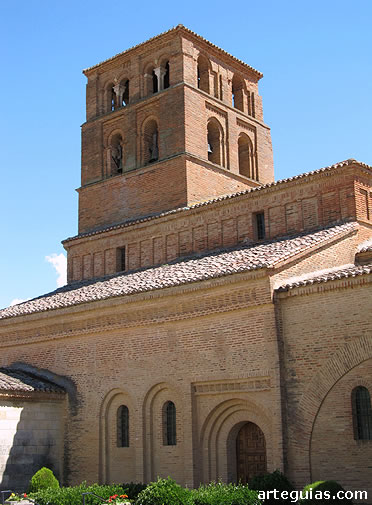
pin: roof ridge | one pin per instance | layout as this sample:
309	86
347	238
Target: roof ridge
173	29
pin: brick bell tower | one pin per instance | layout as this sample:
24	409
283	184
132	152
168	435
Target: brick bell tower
169	123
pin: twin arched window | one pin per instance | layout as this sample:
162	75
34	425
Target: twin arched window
169	424
362	413
157	78
122	437
117	95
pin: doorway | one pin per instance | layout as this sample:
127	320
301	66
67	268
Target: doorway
250	452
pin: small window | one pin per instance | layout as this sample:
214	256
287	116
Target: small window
214	142
203	74
237	93
362	413
123	426
116	155
125	93
169	424
166	76
151	145
155	85
259	225
120	259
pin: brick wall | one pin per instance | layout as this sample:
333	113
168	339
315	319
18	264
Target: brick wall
289	207
326	353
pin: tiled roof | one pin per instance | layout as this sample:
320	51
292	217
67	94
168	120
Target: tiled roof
17	380
175	28
144	219
330	275
185	271
365	247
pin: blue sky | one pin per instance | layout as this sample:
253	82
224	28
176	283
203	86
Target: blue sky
317	66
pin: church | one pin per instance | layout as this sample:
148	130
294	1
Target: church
216	323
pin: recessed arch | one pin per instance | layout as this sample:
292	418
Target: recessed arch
109	452
203	71
115	158
322	382
109	97
217	438
246	156
238	92
215	142
154	401
150	140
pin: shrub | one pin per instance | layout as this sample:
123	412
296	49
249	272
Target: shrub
316	494
164	492
73	495
133	489
271	482
227	494
43	479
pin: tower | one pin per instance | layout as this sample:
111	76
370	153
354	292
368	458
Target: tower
170	123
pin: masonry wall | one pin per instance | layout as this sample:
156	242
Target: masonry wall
327	351
31	436
193	347
182	112
291	207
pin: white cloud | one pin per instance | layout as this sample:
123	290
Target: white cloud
59	262
16	301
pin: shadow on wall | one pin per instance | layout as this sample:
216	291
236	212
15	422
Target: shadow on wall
31	436
33	409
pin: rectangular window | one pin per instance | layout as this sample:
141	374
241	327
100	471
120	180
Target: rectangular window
259	225
120	259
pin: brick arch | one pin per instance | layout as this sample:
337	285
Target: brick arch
148	415
146	133
216	137
342	362
217	427
108	138
103	428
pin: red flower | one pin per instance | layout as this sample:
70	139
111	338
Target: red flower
25	495
123	496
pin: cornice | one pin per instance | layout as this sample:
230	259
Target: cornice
47	327
181	29
325	286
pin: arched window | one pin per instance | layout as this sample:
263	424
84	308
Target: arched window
122	426
166	75
151	141
110	98
246	157
362	413
124	93
203	74
169	424
238	93
215	142
155	84
115	160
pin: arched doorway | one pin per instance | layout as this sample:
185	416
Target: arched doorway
250	452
